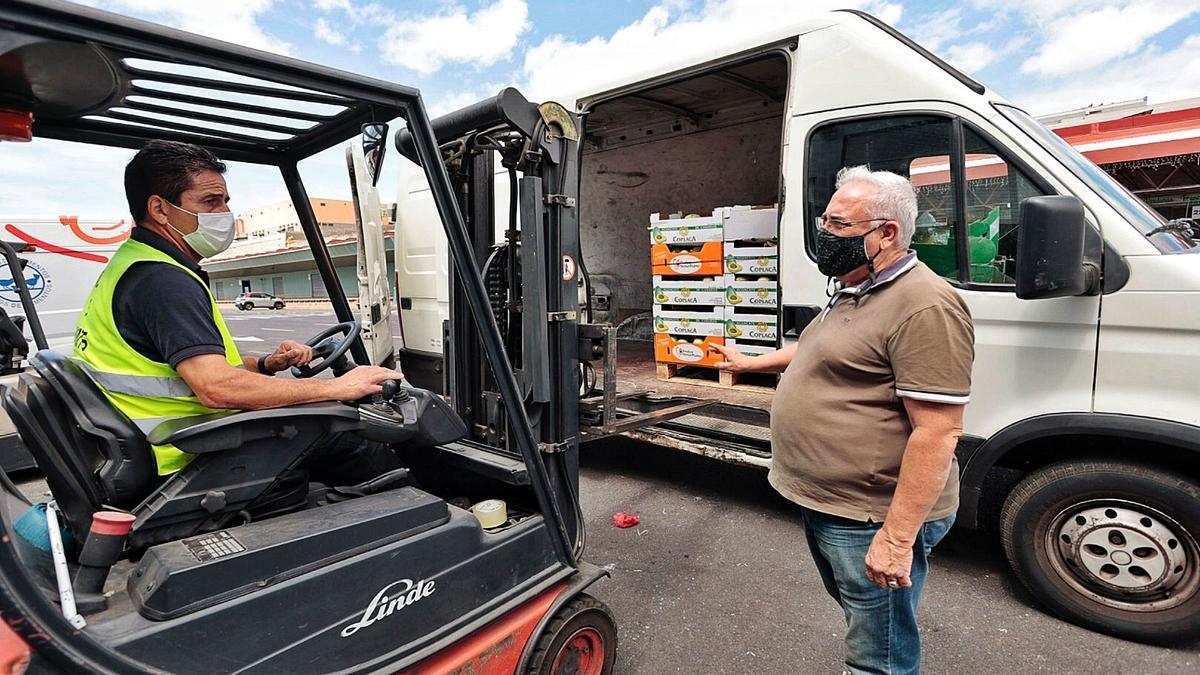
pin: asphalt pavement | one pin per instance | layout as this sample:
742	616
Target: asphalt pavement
717	577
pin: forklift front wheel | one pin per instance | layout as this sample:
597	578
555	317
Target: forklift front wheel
581	639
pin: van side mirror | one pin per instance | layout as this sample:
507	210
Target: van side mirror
1050	243
374	140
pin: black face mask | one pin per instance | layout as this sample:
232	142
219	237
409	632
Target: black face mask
837	256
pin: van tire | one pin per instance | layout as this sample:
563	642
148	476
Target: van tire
581	638
1111	546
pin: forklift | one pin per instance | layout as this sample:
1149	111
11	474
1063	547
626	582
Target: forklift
468	559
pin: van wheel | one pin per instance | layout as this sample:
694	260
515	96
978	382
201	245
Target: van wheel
279	305
1110	546
580	639
249	306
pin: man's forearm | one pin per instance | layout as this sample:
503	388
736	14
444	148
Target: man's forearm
250	363
774	362
238	389
923	475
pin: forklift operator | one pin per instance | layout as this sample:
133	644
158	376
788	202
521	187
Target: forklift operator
151	334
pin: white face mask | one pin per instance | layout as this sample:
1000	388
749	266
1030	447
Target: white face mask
214	232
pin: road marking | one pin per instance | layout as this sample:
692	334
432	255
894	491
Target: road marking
280	330
247	339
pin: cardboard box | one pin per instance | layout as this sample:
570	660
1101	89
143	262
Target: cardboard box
751	348
753	260
692	229
751	291
751	325
689	290
670	349
699	322
673	261
751	222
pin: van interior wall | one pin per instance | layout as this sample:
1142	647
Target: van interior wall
692	173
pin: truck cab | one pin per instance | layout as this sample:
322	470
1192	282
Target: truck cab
1083	421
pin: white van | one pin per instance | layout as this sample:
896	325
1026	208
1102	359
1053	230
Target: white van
1087	405
64	257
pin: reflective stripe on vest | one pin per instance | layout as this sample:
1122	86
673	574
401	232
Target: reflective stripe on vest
139	385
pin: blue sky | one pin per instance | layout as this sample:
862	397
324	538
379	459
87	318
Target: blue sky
1046	55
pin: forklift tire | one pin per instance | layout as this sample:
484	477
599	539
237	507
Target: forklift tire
1110	546
581	639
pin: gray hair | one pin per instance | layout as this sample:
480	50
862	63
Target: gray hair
895	198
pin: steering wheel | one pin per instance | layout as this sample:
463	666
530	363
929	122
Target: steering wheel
328	347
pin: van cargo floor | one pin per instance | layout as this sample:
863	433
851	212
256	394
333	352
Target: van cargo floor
636	372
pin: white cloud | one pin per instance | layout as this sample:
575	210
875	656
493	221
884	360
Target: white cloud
331	5
1080	36
233	21
426	43
1158	74
970	58
668	35
327	33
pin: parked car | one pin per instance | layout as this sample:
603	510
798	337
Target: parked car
254	299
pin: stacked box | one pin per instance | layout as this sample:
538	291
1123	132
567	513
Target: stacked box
700	291
673	260
715	281
698	322
750	348
692	229
696	352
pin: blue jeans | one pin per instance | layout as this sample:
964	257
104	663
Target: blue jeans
881	625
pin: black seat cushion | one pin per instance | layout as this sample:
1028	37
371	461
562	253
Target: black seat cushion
126	470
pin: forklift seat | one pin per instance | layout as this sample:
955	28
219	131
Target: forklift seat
94	457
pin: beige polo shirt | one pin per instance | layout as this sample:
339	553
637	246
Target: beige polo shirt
838	424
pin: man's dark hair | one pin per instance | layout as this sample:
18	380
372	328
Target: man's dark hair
164	168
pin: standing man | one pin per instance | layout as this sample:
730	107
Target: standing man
867	416
151	334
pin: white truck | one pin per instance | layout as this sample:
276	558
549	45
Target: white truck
63	256
1084	421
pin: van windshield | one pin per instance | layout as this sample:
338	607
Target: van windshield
1134	210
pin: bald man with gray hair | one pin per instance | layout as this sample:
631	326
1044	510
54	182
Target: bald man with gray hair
867	415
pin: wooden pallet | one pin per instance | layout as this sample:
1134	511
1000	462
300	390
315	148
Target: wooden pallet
711	377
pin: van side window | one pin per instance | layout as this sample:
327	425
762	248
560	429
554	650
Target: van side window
920	147
995	189
916	146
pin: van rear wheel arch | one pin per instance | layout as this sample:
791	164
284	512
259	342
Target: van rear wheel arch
1039	441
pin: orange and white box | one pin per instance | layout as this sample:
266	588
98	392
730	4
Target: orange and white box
672	261
698	322
750	222
689	290
692	229
695	352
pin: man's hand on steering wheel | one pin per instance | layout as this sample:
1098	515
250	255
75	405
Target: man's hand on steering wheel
289	353
363	381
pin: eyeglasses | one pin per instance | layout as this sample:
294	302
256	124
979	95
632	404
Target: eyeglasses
837	224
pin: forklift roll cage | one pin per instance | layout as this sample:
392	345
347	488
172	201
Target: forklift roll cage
82	74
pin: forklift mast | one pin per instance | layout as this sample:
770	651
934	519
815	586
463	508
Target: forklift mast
530	274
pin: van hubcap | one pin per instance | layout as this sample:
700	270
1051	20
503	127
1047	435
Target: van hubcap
1124	554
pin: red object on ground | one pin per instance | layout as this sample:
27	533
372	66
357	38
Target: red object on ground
622	519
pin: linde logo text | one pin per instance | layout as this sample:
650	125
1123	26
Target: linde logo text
383	604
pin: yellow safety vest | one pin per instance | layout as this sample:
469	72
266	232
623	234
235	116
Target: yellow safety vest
148	392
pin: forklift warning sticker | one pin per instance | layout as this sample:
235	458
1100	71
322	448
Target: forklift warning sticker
568	268
395	596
